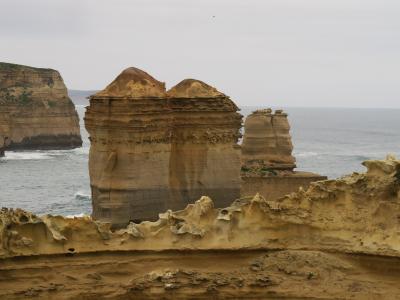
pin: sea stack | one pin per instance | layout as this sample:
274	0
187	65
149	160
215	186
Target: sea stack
152	150
267	160
129	124
205	157
267	141
35	110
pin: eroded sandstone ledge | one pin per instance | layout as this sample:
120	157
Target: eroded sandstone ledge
35	110
358	213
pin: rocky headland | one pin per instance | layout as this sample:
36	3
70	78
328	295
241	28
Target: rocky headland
35	110
339	238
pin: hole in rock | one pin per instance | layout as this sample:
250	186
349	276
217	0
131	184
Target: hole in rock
71	249
23	219
136	221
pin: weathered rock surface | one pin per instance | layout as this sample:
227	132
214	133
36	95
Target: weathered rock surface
205	158
35	110
267	141
358	213
267	159
152	150
281	274
339	239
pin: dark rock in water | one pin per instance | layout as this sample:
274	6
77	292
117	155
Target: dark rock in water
35	110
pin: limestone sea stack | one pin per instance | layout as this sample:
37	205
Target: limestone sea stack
267	160
267	140
152	150
35	110
205	157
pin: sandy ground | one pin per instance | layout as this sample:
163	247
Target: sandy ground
201	275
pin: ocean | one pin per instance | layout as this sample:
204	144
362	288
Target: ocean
328	141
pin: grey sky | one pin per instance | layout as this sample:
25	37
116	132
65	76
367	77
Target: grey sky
265	52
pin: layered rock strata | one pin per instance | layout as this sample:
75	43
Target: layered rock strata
267	160
35	110
152	150
357	213
267	141
205	158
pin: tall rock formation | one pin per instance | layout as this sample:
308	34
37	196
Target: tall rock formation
35	110
267	141
205	157
152	151
267	160
129	124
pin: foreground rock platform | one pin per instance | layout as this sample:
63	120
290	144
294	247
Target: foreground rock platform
339	239
354	214
281	274
35	110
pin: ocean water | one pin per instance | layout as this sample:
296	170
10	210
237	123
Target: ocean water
331	142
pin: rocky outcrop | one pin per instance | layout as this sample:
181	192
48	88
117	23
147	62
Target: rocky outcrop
35	110
339	239
152	150
267	141
205	159
354	214
267	160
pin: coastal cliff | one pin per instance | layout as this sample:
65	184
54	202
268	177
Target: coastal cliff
35	110
153	150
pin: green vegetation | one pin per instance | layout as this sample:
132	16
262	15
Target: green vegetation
25	98
245	169
8	66
52	104
265	170
8	96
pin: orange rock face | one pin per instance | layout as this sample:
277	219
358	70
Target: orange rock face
153	150
35	110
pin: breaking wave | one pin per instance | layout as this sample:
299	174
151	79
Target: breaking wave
10	155
82	196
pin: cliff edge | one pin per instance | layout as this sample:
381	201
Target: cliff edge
35	110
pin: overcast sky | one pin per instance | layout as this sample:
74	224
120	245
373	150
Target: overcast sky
343	53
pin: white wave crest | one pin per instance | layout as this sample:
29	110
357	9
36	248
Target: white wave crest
77	216
26	155
82	196
306	154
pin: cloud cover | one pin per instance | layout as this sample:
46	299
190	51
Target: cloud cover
265	52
